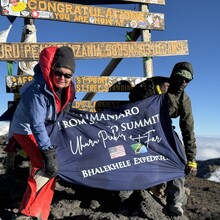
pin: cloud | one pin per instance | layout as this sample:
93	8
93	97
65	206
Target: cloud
4	126
207	147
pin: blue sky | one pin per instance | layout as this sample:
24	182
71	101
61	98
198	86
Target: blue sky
196	21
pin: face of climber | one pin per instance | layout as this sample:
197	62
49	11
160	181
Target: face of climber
164	87
61	77
180	82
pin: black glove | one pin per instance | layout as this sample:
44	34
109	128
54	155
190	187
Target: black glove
50	162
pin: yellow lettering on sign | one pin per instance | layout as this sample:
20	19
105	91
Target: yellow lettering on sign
108	13
80	18
29	78
98	51
78	104
90	50
51	6
103	21
20	80
121	88
27	50
24	51
9	51
77	10
84	10
32	4
76	50
60	8
93	11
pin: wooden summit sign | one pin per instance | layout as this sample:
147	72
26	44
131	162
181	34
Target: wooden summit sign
83	83
90	106
97	106
14	83
106	83
62	11
95	50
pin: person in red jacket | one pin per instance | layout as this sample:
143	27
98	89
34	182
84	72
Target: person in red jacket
42	99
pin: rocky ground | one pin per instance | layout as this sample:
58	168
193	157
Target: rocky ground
83	203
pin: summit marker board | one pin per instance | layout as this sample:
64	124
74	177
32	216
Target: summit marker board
62	11
95	50
82	83
106	83
97	106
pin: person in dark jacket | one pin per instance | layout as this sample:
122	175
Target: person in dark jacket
179	106
41	101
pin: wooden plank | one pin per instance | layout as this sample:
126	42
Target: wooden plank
97	106
62	11
106	83
14	83
103	2
91	106
83	83
95	50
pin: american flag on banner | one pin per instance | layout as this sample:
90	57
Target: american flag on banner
117	151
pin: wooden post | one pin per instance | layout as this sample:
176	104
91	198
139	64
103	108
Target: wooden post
146	37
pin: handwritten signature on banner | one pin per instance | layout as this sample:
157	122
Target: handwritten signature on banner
117	131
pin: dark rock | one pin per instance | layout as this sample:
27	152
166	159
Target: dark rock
72	202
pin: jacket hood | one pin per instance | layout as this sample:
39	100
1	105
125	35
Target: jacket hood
182	66
46	63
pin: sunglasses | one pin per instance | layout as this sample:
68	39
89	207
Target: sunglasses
182	78
59	74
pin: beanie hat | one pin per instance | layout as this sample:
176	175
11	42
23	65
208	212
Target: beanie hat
64	57
184	73
180	68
